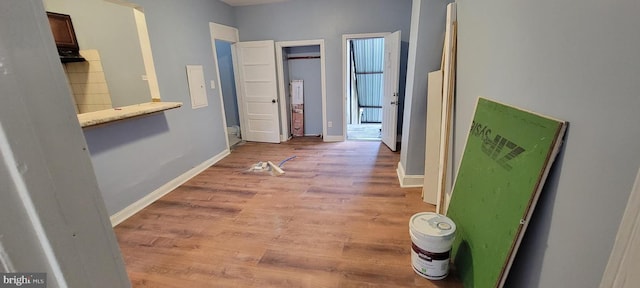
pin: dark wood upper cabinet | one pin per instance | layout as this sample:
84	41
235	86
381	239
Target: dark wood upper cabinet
65	37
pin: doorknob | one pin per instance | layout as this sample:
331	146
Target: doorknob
394	102
273	100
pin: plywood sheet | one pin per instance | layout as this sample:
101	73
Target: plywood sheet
448	86
432	147
504	165
624	260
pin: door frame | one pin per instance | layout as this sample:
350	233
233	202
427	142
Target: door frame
282	94
345	63
227	34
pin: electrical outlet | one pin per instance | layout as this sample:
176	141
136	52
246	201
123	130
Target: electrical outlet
329	124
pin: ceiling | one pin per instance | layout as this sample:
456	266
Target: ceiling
250	2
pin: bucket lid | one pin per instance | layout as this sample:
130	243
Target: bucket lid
429	224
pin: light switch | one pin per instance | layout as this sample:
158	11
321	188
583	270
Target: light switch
213	84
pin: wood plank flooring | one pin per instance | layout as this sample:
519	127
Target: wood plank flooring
336	218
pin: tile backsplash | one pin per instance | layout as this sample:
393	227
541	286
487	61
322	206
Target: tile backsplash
88	83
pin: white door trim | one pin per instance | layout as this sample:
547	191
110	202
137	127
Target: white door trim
147	55
619	264
224	32
282	98
345	84
228	34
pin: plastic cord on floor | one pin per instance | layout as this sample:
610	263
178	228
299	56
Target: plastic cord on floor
285	160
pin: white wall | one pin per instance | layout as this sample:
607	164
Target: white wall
577	61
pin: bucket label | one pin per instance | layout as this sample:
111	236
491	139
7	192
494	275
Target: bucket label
429	256
431	265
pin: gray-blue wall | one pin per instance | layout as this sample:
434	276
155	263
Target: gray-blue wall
328	20
425	55
227	82
134	157
577	61
309	71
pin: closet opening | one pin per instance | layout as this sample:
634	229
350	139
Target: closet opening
302	88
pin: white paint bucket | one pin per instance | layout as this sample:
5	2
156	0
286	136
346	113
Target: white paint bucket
432	235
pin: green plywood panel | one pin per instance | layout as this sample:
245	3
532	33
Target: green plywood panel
504	163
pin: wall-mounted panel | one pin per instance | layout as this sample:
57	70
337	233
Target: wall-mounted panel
197	89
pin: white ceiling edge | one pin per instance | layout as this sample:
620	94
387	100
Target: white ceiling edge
250	2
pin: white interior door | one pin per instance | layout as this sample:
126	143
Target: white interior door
390	97
257	90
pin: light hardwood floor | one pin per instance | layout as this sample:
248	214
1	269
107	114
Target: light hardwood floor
336	218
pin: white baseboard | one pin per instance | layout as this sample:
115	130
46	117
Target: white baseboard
407	181
330	138
134	208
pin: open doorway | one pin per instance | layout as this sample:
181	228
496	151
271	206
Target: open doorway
365	77
371	77
222	39
302	73
228	88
